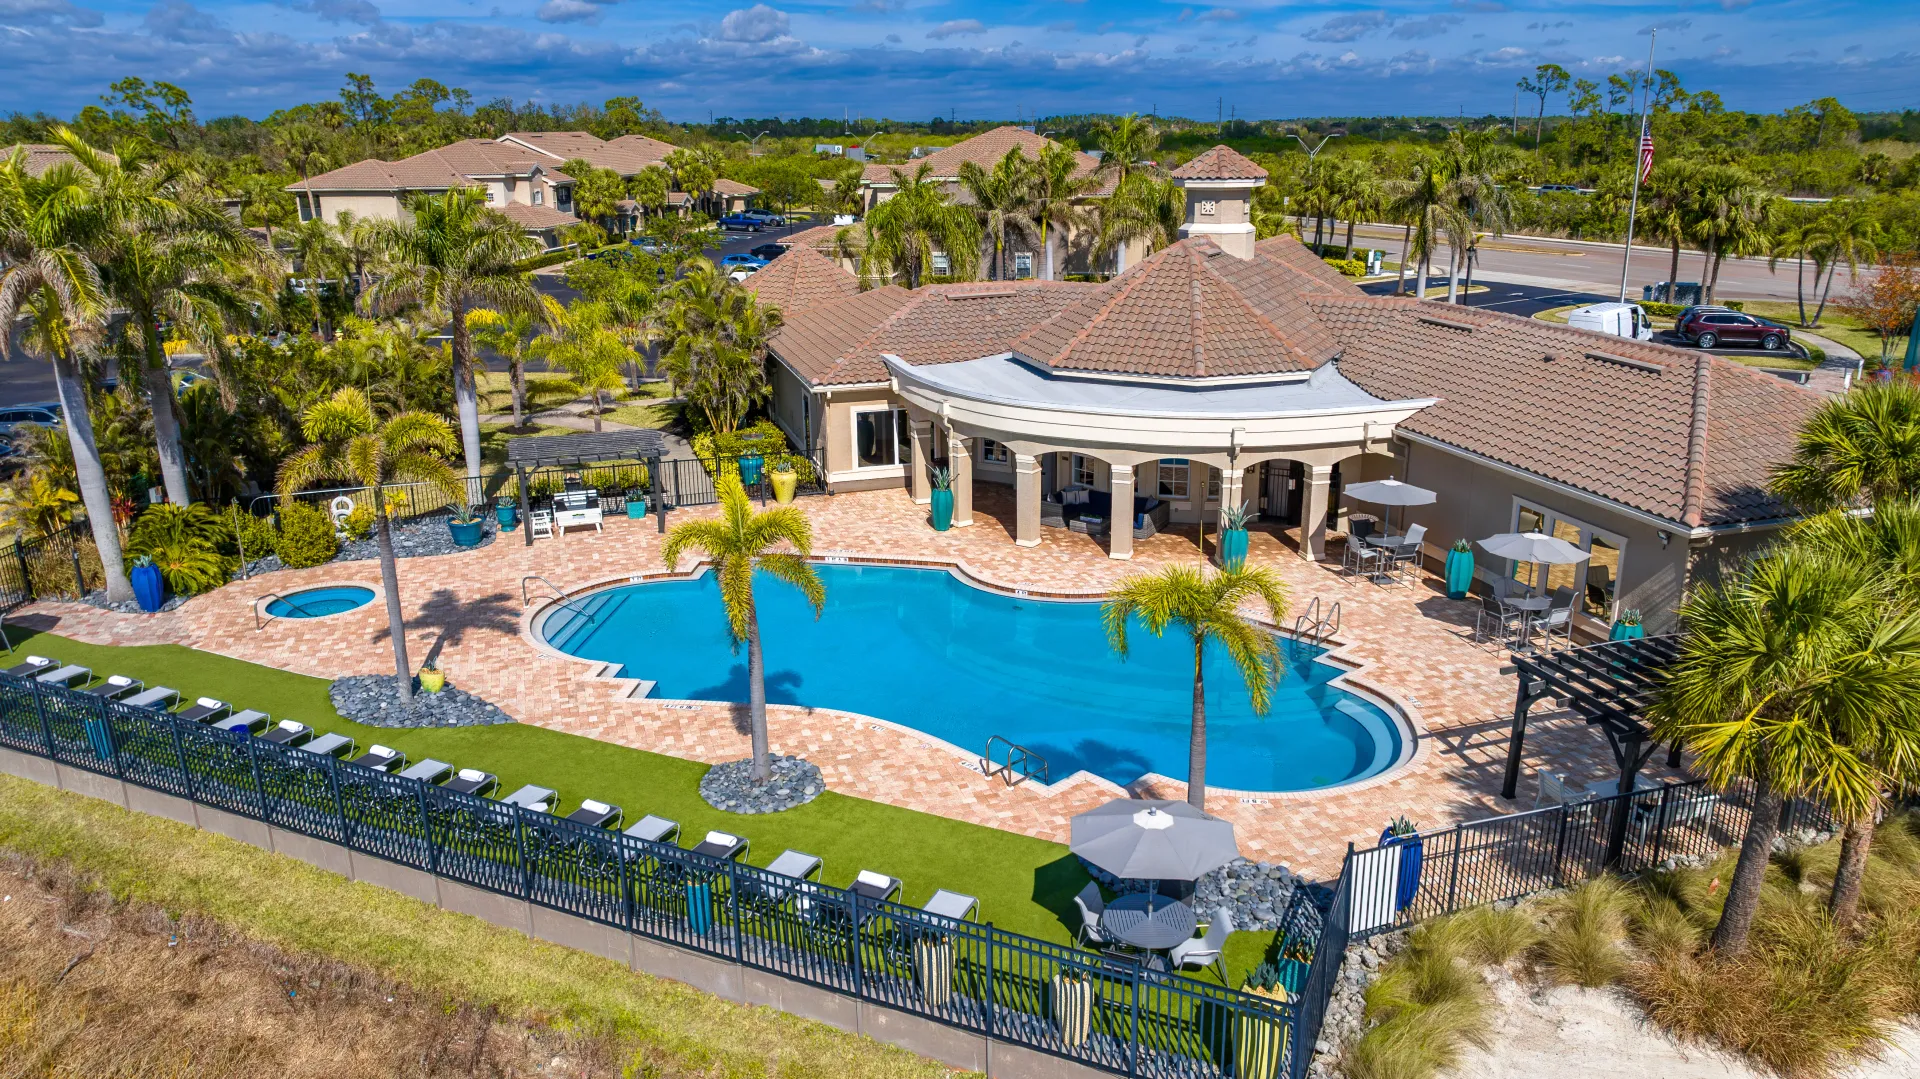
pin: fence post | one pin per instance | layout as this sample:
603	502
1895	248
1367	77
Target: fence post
79	576
46	727
259	784
1453	879
26	573
859	979
733	908
986	1006
526	866
626	886
1660	824
339	803
426	828
180	750
1560	843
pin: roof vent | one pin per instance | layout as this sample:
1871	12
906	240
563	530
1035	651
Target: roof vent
1450	324
1627	361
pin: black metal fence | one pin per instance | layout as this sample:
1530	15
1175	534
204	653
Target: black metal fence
1110	1014
65	563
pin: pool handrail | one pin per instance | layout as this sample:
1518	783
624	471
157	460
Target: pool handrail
565	600
1020	763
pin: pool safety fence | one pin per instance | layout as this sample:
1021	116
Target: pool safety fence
1113	1015
62	564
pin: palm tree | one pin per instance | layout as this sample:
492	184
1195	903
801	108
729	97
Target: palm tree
1784	678
304	148
1001	202
1728	207
1851	235
319	256
904	231
1800	241
1145	209
1863	447
740	543
1667	208
455	254
716	335
1059	188
584	341
1426	203
1207	607
1126	145
45	271
1482	203
359	245
510	337
348	444
1357	194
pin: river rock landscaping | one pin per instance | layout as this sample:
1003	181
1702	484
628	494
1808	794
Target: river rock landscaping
374	699
730	786
1256	894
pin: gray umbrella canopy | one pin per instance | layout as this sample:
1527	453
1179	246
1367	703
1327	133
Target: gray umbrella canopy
1142	839
1533	547
1389	493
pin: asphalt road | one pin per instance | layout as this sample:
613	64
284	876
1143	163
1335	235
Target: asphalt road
1527	300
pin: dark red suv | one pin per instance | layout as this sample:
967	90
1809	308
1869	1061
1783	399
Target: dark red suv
1711	327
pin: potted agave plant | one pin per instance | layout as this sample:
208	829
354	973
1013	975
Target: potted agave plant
1627	627
465	527
942	508
149	588
1459	569
1402	833
785	481
507	511
1233	538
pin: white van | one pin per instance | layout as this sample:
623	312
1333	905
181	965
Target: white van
1614	319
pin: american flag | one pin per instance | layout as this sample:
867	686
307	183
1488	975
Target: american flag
1646	151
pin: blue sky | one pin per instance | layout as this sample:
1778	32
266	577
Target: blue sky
986	58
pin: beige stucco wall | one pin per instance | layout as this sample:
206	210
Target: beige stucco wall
839	407
1230	206
363	205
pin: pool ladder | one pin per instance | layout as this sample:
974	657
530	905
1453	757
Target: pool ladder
1314	627
572	604
259	622
1022	763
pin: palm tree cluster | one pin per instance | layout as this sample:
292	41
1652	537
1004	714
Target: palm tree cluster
1453	194
714	338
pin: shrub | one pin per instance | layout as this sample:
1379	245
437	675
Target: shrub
1348	267
184	542
1586	927
359	524
1427	1006
306	536
608	478
245	533
766	437
1495	937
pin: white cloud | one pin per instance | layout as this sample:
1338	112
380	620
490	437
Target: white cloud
956	28
1431	26
754	25
183	24
1343	28
354	11
1219	14
569	11
1665	24
48	13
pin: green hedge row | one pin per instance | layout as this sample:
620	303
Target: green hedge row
1672	310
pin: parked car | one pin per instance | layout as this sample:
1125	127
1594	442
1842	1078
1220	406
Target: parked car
742	222
739	274
765	217
646	243
1627	320
12	419
1711	328
769	251
737	261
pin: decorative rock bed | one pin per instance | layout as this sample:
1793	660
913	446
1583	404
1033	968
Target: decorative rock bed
730	786
98	598
374	699
1255	893
419	537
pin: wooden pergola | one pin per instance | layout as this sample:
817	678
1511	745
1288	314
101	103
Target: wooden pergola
587	448
1610	685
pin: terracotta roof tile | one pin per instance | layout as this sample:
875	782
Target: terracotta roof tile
801	278
625	155
983	149
733	188
1289	251
842	342
1220	163
536	217
42	156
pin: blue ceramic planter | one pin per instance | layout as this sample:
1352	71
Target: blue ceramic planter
942	510
149	588
508	516
1233	548
750	470
1624	632
1411	855
465	533
636	508
1459	574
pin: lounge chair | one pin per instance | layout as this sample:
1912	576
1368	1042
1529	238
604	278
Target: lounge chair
870	885
34	665
115	687
793	863
723	845
1207	950
595	814
66	676
529	796
1091	908
380	758
330	745
206	710
473	781
429	771
250	721
288	732
945	904
159	698
654	829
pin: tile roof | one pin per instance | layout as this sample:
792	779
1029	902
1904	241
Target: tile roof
536	217
43	156
733	188
625	155
1296	256
983	149
824	238
452	165
801	278
1220	163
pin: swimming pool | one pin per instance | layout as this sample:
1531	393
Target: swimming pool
926	650
320	602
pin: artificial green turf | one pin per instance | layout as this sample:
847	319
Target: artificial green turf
1025	885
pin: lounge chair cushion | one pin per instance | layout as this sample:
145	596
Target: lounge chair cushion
209	702
39	661
120	681
291	725
473	775
875	880
378	750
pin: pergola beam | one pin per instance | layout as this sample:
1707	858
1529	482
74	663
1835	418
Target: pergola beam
1610	685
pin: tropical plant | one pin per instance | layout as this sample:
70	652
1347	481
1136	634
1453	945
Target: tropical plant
183	542
740	543
1001	201
716	336
1058	196
1142	209
1860	448
37	506
509	336
212	435
307	537
904	232
453	255
1427	204
1793	674
1127	144
585	342
1206	607
346	442
1728	214
1849	234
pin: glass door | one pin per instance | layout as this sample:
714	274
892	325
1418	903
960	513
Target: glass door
1594	583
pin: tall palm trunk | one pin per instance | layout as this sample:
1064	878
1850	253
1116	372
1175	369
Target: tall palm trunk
1825	291
1749	873
1349	253
465	398
390	580
1453	273
1673	270
1855	844
1420	276
757	700
597	410
1800	285
518	376
92	478
1406	246
158	381
1707	268
1197	732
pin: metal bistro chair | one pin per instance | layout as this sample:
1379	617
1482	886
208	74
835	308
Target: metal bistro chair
1406	555
1363	557
1497	611
1557	618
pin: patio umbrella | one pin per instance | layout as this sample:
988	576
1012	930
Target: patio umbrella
1143	839
1536	547
1389	492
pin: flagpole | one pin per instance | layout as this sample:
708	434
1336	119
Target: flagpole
1639	148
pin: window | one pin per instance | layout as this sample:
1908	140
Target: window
1595	582
879	437
941	264
1213	484
490	195
1208	207
1083	469
1174	472
1022	264
993	451
539	197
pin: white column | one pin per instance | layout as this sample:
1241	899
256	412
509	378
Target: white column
920	433
1313	512
960	460
1026	500
1231	481
1120	527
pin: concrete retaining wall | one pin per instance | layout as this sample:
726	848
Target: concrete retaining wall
712	974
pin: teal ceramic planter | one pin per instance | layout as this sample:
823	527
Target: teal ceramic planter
1623	632
750	470
636	508
465	533
508	516
1459	574
1233	548
942	510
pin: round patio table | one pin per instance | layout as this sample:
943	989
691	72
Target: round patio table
1127	919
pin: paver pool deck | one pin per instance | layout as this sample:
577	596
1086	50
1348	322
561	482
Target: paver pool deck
1412	645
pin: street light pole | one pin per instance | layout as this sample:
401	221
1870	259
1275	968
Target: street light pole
1314	151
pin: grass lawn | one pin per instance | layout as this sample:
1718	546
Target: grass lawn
1024	884
307	911
635	410
1784	361
1835	325
545	389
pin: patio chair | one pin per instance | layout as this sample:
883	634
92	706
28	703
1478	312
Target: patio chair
159	698
206	710
1206	951
723	845
1363	558
1407	554
330	745
1091	908
380	758
250	721
115	687
290	733
868	884
654	829
66	676
596	814
1553	788
34	665
429	771
1551	621
1497	621
542	524
531	795
473	781
945	904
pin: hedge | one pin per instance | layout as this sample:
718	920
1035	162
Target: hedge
1672	310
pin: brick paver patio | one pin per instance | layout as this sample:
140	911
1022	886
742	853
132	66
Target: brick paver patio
1412	645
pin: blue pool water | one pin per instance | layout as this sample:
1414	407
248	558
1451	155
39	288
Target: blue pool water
923	649
320	602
